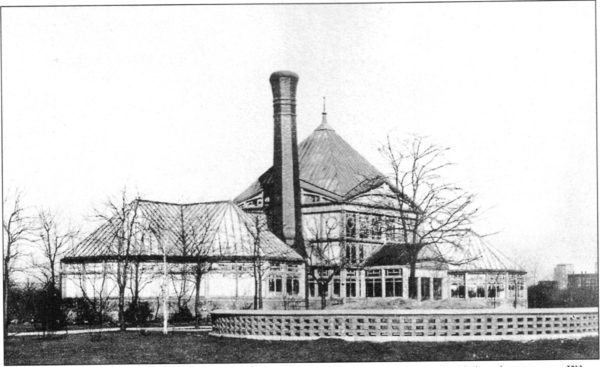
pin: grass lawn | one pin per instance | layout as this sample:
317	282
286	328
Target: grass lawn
132	347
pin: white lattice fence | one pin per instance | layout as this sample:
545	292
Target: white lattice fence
408	325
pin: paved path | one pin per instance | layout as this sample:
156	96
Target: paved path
85	331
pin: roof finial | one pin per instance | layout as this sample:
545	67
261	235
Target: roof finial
324	125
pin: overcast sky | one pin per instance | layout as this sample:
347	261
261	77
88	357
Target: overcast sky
175	103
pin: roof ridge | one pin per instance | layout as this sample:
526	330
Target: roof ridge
185	204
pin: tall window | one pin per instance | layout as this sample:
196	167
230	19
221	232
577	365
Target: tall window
336	286
457	286
476	284
373	283
520	286
496	285
350	287
292	286
283	278
425	287
437	288
350	225
390	229
351	253
354	253
516	284
372	226
317	290
312	287
393	282
376	227
363	226
472	290
511	285
351	283
275	284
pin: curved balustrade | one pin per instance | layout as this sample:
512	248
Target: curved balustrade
408	325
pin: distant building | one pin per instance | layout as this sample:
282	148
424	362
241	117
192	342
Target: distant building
581	291
561	272
583	281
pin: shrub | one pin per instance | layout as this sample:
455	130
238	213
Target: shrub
182	315
137	314
49	311
22	302
80	312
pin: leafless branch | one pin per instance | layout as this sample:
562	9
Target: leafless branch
431	211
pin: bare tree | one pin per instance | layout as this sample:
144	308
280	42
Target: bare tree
256	226
190	244
16	228
181	279
156	228
431	212
204	256
139	278
325	254
51	243
123	217
95	287
181	276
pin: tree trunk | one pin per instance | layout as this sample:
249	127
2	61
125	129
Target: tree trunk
306	287
255	288
157	308
135	296
5	299
322	288
100	313
52	275
412	281
122	308
197	296
122	287
260	297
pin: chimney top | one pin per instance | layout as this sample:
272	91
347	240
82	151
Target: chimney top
283	74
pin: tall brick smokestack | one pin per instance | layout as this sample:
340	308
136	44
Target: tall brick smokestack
285	198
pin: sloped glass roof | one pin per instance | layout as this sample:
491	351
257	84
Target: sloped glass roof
215	230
